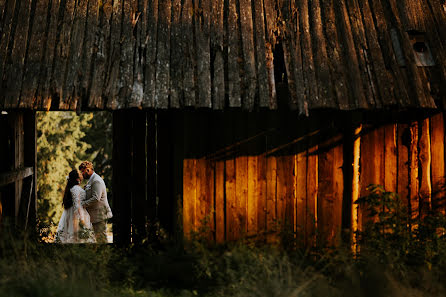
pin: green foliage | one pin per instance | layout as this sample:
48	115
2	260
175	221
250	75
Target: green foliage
394	236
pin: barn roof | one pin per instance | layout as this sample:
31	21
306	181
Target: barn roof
216	54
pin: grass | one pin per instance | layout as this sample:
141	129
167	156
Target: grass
38	269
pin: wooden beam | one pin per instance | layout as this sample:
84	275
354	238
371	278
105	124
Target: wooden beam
16	175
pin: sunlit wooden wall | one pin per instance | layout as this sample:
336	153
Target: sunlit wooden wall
307	188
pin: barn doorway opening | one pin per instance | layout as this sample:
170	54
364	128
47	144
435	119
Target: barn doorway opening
64	140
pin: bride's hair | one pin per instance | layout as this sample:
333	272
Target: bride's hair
73	179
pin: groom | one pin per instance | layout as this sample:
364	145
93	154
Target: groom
96	201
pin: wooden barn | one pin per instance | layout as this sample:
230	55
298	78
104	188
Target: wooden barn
234	118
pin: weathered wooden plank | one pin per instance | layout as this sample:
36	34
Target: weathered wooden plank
189	63
338	191
334	53
128	43
307	54
232	225
261	54
5	33
111	86
390	158
355	186
349	54
189	195
425	158
201	214
16	175
383	26
252	196
176	57
301	196
162	75
261	196
403	163
311	219
71	84
217	47
285	191
271	197
249	78
100	59
293	59
411	15
202	14
368	82
220	201
378	68
414	209
19	158
150	59
241	173
12	77
234	56
33	59
325	94
139	12
44	96
438	162
270	28
62	52
325	202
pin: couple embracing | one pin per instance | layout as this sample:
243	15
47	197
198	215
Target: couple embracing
85	209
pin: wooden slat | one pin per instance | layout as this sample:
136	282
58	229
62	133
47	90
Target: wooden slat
270	17
176	58
334	54
189	194
111	87
390	158
234	55
338	191
368	82
311	219
325	94
189	79
438	163
414	209
127	41
345	34
252	196
62	53
425	163
217	45
202	20
162	75
35	54
285	193
271	197
44	96
72	90
301	197
411	15
261	54
201	199
383	25
6	26
91	47
231	208
16	53
326	199
101	56
220	201
383	78
261	196
355	186
241	185
293	60
403	163
249	78
307	53
13	176
151	46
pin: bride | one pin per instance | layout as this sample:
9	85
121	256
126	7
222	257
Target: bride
74	225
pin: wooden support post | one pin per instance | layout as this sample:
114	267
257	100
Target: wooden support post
425	174
438	163
30	126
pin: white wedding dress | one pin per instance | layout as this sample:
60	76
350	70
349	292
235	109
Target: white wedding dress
74	225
